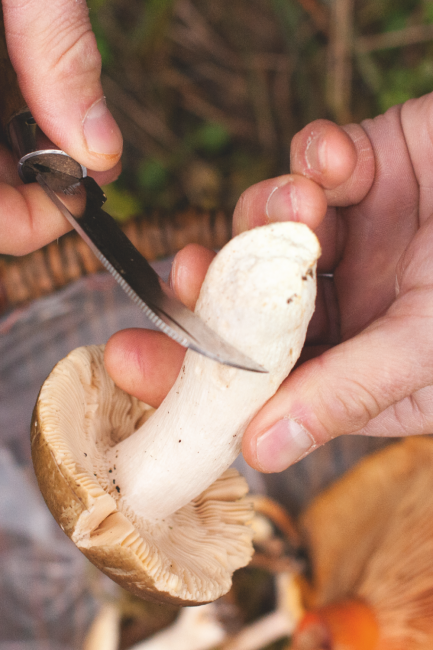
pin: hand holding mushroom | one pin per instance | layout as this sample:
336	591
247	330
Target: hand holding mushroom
365	191
149	496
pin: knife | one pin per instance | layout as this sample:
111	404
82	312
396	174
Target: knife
80	199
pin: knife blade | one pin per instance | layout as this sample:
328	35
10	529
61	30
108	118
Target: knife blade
80	201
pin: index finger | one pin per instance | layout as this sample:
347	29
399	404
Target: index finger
291	197
331	166
28	218
339	159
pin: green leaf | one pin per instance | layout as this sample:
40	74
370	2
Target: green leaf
94	5
404	83
104	48
395	20
151	30
121	204
101	39
428	11
289	13
153	175
211	138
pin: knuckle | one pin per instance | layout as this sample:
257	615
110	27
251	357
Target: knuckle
413	415
346	406
356	405
71	48
80	59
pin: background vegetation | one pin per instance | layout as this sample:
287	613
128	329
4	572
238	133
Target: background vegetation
209	93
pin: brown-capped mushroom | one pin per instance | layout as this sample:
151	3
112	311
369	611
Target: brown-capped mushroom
369	538
149	496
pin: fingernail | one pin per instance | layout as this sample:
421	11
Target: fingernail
282	445
315	154
101	131
282	204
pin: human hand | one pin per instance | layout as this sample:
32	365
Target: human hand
366	191
54	53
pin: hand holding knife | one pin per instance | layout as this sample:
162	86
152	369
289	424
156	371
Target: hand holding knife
80	199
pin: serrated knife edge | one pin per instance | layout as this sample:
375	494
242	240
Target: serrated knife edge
158	303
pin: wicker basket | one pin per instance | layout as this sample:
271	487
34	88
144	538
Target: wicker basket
69	258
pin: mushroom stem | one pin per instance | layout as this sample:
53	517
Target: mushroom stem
104	633
197	628
276	625
259	296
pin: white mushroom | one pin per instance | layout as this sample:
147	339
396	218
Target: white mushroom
160	491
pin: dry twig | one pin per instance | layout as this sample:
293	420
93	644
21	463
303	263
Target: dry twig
340	59
398	38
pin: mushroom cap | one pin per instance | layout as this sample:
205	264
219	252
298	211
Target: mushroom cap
189	557
370	537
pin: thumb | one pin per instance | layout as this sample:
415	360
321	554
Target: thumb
54	53
341	391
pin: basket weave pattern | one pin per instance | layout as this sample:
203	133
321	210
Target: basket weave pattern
69	258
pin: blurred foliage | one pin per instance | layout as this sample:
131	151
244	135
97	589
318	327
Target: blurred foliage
209	94
403	83
121	203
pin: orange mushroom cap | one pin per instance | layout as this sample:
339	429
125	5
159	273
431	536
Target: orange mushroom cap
346	625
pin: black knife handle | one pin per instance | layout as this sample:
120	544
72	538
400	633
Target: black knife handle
11	100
